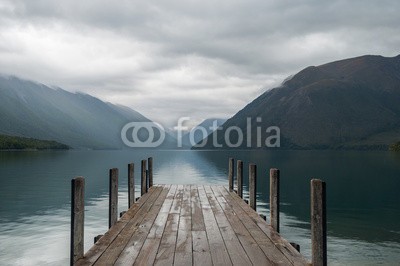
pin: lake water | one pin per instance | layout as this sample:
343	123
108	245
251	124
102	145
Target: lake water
363	197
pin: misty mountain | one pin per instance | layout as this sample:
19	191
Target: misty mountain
348	104
201	131
33	110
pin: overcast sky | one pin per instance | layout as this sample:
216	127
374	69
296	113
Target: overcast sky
176	58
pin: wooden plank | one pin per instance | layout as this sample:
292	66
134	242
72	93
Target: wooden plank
219	253
318	223
230	174
183	250
239	173
274	176
161	232
141	229
110	236
252	219
115	247
131	184
158	226
186	203
143	187
148	252
253	186
197	213
114	250
201	249
166	250
253	247
177	202
113	198
77	218
231	233
266	245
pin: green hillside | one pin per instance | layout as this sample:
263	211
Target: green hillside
19	143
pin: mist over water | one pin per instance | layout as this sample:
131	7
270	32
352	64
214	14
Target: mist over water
362	197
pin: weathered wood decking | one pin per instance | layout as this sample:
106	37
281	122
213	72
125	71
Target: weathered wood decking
191	224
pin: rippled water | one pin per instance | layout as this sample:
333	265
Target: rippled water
363	198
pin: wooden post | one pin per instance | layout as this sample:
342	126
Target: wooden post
147	181
113	198
253	186
150	162
239	178
77	218
274	198
318	223
131	185
230	174
143	189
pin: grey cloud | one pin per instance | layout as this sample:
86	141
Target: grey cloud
180	49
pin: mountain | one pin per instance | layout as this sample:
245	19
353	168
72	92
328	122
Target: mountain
201	131
348	104
33	110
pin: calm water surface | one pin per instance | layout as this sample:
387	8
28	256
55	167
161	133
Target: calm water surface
363	197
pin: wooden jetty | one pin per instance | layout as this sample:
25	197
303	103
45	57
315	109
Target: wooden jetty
194	225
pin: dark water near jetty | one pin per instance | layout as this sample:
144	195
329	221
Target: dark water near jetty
363	197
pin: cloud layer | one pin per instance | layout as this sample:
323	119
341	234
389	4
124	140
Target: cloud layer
186	58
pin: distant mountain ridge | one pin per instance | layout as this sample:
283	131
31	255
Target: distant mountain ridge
29	109
201	131
347	104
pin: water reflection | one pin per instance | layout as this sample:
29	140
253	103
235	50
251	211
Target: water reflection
362	187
